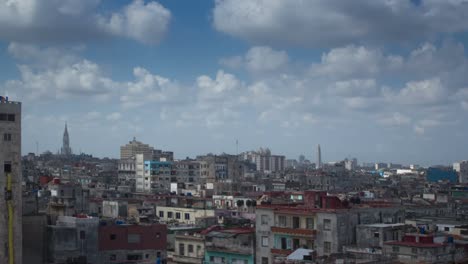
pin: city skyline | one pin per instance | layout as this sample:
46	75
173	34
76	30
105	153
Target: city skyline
194	78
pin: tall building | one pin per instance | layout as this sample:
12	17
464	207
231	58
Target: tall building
265	161
462	169
136	147
66	150
319	157
10	182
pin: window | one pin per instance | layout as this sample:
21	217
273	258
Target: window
264	260
190	249
113	257
147	256
82	235
296	243
133	238
376	234
309	244
181	249
396	249
187	216
134	257
264	219
264	241
282	221
284	243
296	222
7	137
446	228
326	247
239	261
169	214
177	215
414	250
113	236
7	117
158	235
326	224
161	213
7	167
309	223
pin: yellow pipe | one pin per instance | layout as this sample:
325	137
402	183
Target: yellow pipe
11	256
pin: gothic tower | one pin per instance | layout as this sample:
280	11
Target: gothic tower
66	150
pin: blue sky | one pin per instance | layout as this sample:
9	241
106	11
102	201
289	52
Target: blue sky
376	80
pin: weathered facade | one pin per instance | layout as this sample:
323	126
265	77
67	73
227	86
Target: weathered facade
10	182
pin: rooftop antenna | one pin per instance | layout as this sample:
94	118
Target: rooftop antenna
237	147
37	147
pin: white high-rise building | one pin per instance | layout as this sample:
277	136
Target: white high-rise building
462	169
10	182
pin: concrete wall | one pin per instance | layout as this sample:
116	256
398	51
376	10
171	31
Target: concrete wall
114	209
73	237
263	229
35	238
10	151
194	213
339	232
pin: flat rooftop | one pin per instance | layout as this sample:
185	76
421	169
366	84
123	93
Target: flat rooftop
385	225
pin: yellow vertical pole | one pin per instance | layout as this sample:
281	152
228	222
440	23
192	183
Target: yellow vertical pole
11	256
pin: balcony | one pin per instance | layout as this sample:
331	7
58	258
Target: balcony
282	252
186	259
294	231
229	248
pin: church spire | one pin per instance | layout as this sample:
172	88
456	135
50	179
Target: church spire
66	150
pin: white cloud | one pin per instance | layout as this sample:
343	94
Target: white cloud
223	87
146	23
37	21
395	119
83	78
419	130
148	88
258	59
354	62
42	57
464	105
114	116
429	91
354	87
326	23
265	59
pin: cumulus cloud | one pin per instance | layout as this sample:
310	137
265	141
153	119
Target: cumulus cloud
83	78
321	23
223	86
265	59
148	88
429	91
41	57
37	21
114	116
354	61
146	23
395	119
258	59
354	87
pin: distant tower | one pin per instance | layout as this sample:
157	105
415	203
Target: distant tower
66	150
319	158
